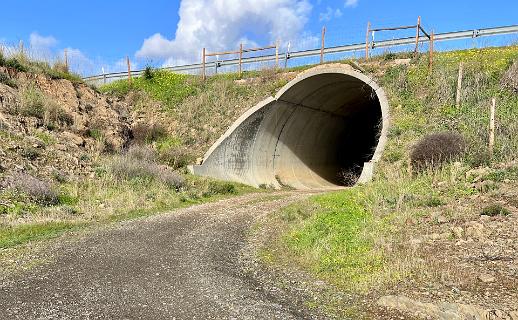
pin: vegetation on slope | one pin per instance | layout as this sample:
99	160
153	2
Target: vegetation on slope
67	160
366	238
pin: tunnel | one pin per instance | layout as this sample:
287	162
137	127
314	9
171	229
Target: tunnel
324	129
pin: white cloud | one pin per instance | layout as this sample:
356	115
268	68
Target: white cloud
41	42
223	24
351	3
330	14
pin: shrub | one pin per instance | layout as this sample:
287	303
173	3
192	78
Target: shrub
143	133
32	103
142	153
148	73
510	77
31	153
37	190
176	158
56	115
221	187
129	166
436	149
5	79
14	63
494	210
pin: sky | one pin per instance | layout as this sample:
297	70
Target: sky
100	34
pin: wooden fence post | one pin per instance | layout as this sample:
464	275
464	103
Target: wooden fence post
66	59
416	50
203	64
240	59
367	41
277	53
322	47
492	127
20	47
430	63
129	68
458	98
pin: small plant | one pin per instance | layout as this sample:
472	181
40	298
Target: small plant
143	133
176	157
495	210
141	153
510	77
435	149
14	63
31	153
32	103
95	134
5	79
37	190
138	165
148	73
221	187
56	115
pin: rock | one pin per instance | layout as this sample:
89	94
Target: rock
457	232
442	219
486	278
475	230
443	310
402	62
73	138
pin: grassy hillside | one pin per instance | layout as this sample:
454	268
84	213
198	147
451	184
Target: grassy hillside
409	229
72	157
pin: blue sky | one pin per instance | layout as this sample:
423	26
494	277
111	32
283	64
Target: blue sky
100	32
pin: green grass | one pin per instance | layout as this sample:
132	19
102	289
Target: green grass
166	87
332	241
11	236
22	63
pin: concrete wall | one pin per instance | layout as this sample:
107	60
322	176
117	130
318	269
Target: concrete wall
330	119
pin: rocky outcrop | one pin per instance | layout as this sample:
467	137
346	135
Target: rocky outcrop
85	123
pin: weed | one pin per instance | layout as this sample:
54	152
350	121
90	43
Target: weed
495	210
31	153
5	79
143	133
126	167
32	103
39	191
148	73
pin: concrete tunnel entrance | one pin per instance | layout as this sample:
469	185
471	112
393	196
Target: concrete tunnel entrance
324	129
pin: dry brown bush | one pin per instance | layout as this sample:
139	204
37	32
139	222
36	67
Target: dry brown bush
38	190
436	149
144	133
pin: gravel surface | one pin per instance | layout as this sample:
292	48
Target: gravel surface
183	265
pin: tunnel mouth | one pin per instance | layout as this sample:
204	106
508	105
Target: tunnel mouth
324	129
333	130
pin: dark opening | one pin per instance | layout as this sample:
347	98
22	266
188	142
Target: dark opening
332	131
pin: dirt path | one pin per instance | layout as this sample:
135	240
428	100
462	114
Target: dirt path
181	265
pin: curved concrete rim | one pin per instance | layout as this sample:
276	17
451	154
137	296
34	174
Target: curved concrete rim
368	169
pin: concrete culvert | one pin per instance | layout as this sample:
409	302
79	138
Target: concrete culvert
324	129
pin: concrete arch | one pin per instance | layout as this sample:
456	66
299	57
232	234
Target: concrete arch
329	120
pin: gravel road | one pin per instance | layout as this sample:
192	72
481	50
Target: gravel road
182	265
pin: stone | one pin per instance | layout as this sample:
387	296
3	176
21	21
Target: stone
475	230
457	232
486	278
